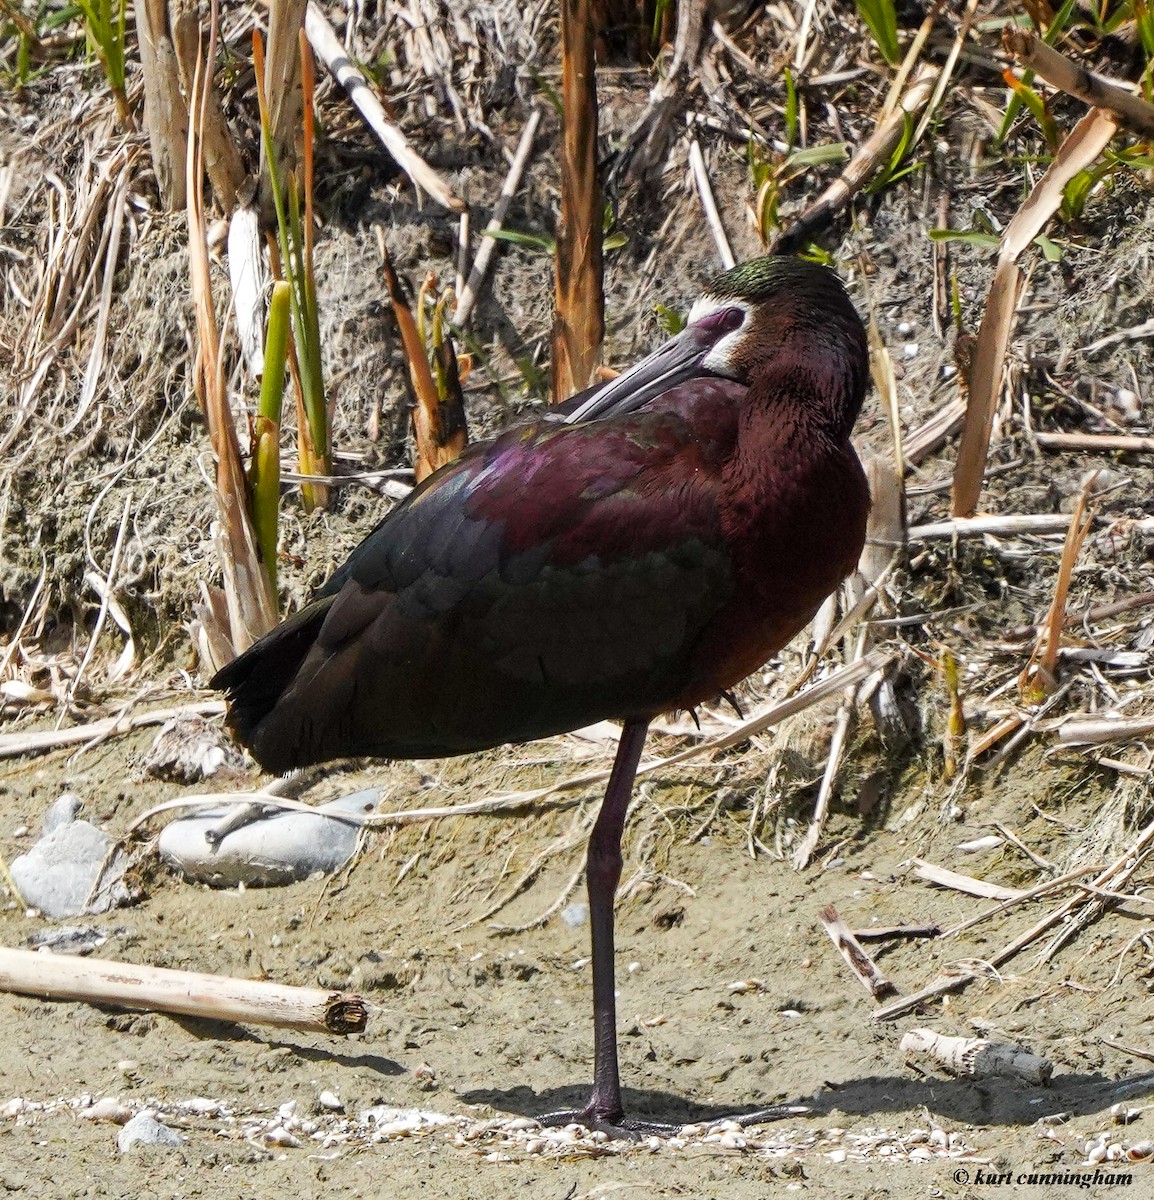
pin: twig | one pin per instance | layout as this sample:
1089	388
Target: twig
1010	525
191	993
328	46
869	157
1095	442
708	204
1095	731
859	962
468	297
1056	69
1041	889
13	745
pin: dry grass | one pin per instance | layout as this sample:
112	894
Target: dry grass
104	462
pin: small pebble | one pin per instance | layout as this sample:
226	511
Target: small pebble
145	1130
128	1066
280	1136
108	1109
838	1156
575	915
331	1101
910	350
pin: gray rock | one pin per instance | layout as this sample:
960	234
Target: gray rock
63	811
270	851
66	866
145	1130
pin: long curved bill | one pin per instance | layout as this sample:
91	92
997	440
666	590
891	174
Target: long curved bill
673	362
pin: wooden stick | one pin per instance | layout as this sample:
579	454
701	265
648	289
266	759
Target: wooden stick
1056	69
851	950
1009	525
328	47
709	204
1100	442
14	744
190	993
468	294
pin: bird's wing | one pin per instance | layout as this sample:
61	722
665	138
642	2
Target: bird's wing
556	576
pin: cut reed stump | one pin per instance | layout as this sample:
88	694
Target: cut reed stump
190	993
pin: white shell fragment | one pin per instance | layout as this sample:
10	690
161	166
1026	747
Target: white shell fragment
977	1057
271	851
145	1130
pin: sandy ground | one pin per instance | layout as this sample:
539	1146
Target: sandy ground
730	998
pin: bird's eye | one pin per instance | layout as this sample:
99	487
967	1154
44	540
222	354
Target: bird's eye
724	321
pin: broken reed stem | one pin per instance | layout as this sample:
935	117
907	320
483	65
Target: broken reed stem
189	993
332	53
709	204
467	299
438	427
1038	679
579	318
1080	149
859	962
1056	69
953	983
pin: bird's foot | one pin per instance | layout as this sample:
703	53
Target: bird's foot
618	1125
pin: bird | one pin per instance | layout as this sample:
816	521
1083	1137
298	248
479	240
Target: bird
638	551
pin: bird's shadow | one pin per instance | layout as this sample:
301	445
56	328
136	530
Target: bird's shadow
979	1102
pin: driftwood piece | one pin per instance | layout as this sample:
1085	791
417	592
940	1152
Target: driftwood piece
859	962
190	993
978	1057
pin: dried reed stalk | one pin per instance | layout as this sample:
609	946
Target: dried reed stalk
190	993
250	602
1081	148
282	87
438	425
859	962
165	109
332	53
467	295
1096	443
1056	69
579	319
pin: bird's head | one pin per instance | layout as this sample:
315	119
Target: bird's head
770	312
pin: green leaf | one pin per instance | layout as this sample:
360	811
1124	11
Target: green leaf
881	17
533	241
671	321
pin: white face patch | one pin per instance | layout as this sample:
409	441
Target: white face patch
720	359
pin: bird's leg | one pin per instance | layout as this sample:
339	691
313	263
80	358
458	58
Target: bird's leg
604	1110
602	874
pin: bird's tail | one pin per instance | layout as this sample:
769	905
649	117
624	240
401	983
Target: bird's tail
255	681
